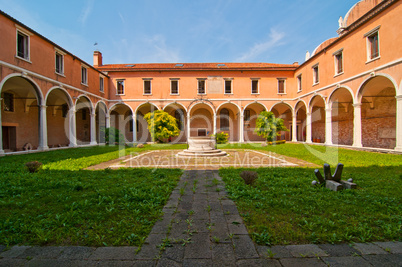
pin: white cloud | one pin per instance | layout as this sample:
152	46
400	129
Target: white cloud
159	51
86	11
274	40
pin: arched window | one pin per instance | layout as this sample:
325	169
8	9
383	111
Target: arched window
178	115
224	119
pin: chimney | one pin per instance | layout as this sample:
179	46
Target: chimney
97	59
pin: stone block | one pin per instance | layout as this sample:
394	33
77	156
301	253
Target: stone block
338	172
334	186
348	185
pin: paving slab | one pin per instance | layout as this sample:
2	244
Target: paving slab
244	247
42	252
14	252
199	248
7	262
355	261
114	253
223	255
145	263
339	250
391	247
148	252
164	262
302	262
76	253
60	263
258	262
197	263
369	248
277	252
175	253
303	251
388	260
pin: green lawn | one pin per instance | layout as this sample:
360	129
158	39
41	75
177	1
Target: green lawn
283	207
66	205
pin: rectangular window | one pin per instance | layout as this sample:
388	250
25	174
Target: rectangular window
147	87
299	83
373	45
120	87
84	75
8	102
22	45
174	87
316	75
101	84
254	86
202	132
59	63
201	86
228	86
338	57
281	86
247	115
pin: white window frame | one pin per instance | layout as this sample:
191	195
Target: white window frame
284	86
368	35
60	53
299	83
101	84
150	86
231	86
84	75
117	86
205	86
316	78
174	80
336	62
27	35
258	86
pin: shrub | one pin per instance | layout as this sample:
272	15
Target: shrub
279	142
113	135
222	138
161	126
249	177
33	166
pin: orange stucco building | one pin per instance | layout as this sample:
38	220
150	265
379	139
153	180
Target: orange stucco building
348	91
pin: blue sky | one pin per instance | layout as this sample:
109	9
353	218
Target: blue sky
159	31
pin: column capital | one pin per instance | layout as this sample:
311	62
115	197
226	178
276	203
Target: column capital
328	109
43	106
357	105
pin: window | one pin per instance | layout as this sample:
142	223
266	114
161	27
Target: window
101	85
202	132
201	86
178	115
247	115
228	86
8	102
254	86
147	86
64	110
84	75
131	125
22	45
299	83
59	63
316	76
224	119
120	87
174	86
281	86
338	57
373	46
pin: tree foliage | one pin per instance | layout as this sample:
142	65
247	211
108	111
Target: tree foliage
268	126
113	136
161	125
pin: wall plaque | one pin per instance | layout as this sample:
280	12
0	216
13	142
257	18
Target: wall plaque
386	133
215	85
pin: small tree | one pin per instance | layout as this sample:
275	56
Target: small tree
161	125
113	135
268	126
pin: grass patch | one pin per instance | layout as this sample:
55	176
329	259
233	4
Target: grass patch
283	208
65	205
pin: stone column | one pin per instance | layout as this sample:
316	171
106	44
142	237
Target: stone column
215	124
42	128
72	134
93	129
1	133
308	128
294	126
398	146
107	120
241	135
357	125
134	129
328	126
188	127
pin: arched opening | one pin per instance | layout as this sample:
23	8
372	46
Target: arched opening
179	113
143	134
341	104
284	111
317	108
228	121
121	118
20	115
201	120
100	116
378	113
83	111
301	116
251	112
58	104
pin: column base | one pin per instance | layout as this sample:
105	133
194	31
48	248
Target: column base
398	148
328	144
93	143
72	145
43	148
2	153
357	145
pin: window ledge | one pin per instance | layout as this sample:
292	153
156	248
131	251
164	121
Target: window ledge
314	84
255	93
228	93
84	84
24	59
338	74
201	94
299	91
60	74
175	94
373	59
282	94
120	94
147	94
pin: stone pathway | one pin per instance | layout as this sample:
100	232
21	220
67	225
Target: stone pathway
202	227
